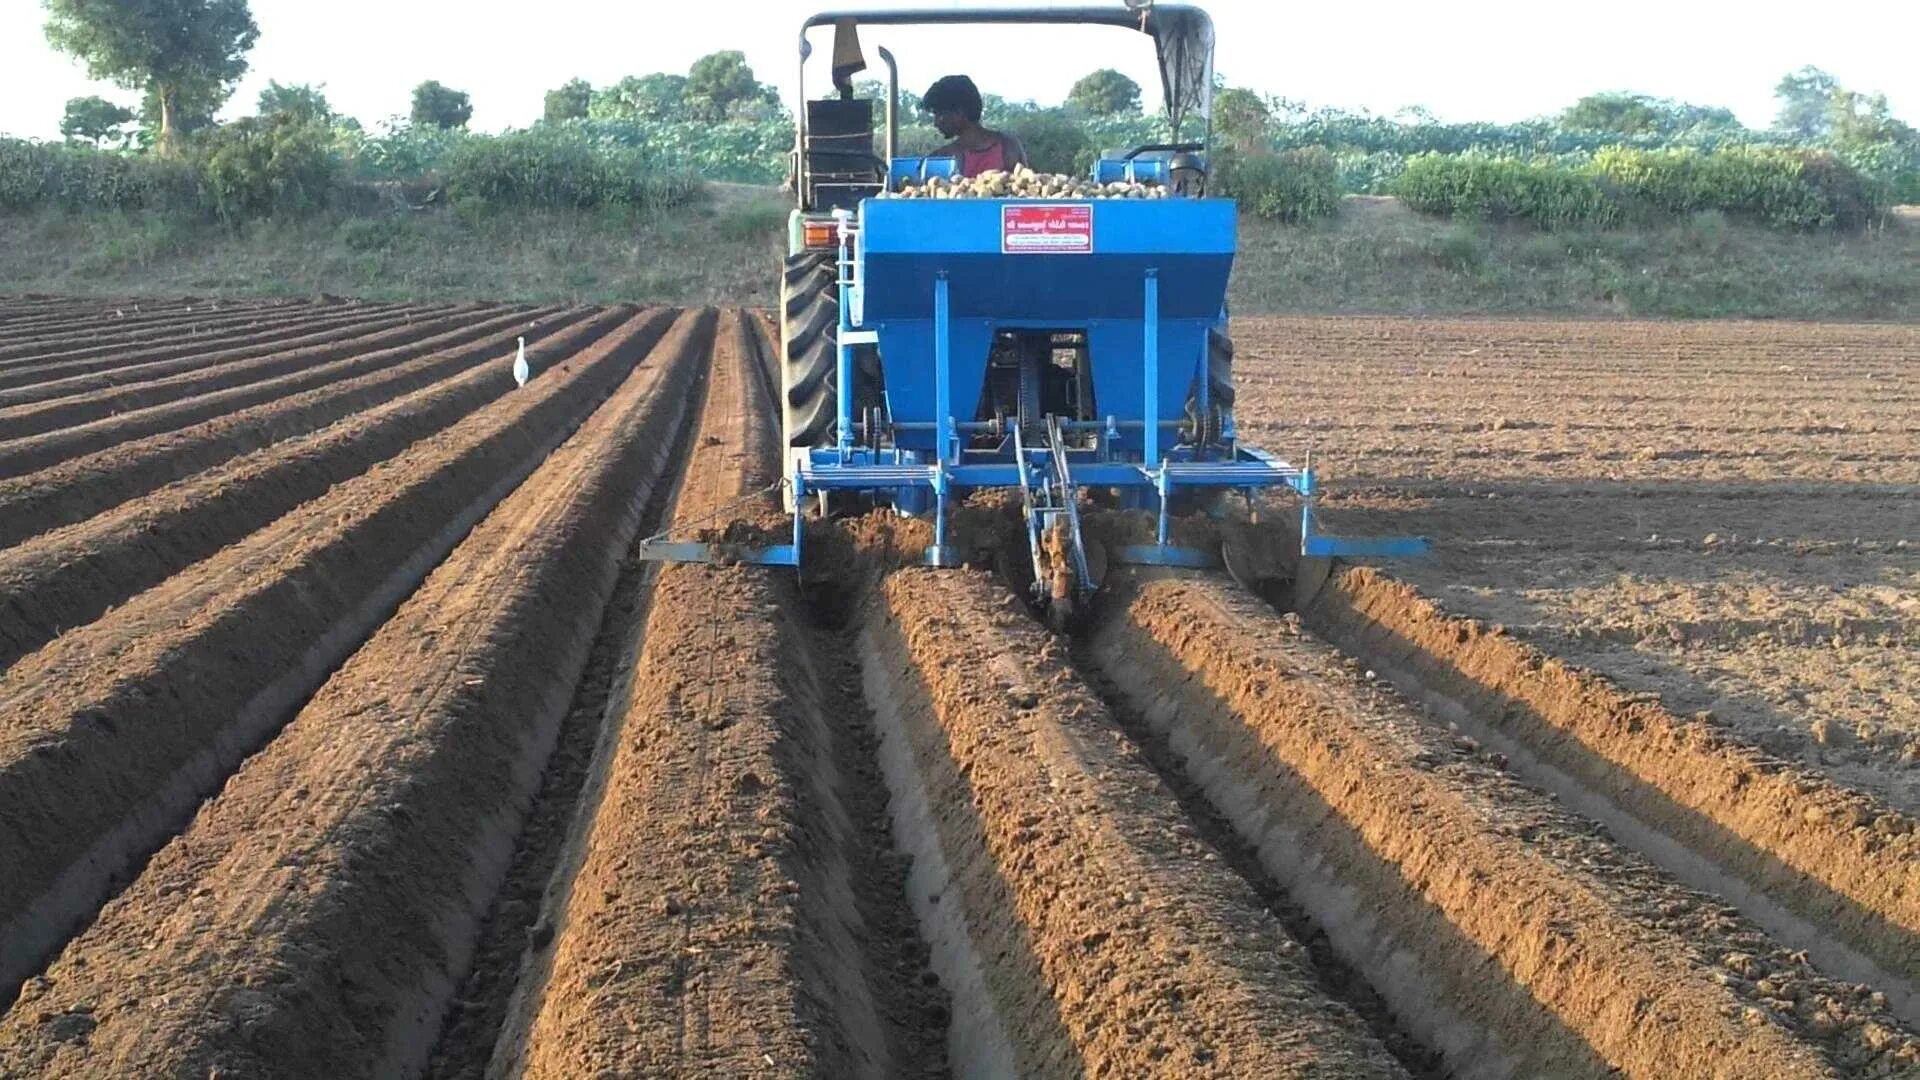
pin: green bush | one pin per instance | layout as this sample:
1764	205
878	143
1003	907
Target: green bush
1055	142
1292	185
1545	194
1791	189
261	166
561	168
34	175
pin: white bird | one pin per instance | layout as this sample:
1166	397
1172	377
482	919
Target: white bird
520	370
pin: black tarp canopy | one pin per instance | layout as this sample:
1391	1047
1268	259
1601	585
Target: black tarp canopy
1182	34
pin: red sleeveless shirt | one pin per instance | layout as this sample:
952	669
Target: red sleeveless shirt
975	162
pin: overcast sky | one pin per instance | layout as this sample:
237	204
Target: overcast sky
1497	60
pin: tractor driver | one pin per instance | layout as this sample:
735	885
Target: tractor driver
954	103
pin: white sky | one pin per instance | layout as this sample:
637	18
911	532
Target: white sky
1497	60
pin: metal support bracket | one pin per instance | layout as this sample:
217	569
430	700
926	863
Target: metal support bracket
693	551
1166	555
1315	545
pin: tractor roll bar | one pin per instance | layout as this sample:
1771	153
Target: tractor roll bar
1182	33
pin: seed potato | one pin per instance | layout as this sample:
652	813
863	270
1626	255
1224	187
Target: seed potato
1024	183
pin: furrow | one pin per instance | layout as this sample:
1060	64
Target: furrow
146	344
23	383
724	909
1081	924
91	481
335	883
1518	939
78	321
1828	869
288	369
69	576
111	733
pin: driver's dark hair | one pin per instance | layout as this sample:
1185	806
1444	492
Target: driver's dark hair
954	93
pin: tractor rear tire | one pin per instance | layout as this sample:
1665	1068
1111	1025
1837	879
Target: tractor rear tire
809	354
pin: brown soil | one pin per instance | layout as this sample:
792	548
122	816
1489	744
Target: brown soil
574	814
331	890
29	328
1718	514
1102	937
285	371
81	487
725	911
69	576
1430	869
207	325
81	357
112	731
1844	862
43	384
30	453
50	373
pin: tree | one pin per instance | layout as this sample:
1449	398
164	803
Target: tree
647	97
570	102
1615	113
440	106
719	81
192	111
1055	142
175	50
94	119
1105	93
1856	119
1611	113
1241	118
297	101
1806	103
876	91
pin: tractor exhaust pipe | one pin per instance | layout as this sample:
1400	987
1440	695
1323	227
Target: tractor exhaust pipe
893	105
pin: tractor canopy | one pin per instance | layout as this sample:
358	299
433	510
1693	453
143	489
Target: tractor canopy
1182	34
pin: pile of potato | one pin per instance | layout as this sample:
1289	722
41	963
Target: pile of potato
1024	183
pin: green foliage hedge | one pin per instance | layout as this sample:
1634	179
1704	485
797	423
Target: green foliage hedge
1795	189
1536	171
561	168
1784	188
1291	185
1505	188
76	178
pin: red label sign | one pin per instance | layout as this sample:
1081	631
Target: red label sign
1046	229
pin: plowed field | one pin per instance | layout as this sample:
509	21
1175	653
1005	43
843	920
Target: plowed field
342	734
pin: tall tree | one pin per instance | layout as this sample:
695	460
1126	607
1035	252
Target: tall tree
1105	93
569	102
94	119
1856	119
876	91
718	82
175	50
1806	103
1611	113
1614	113
646	97
1242	118
297	101
192	110
435	105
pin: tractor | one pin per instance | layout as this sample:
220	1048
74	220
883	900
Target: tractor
933	347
